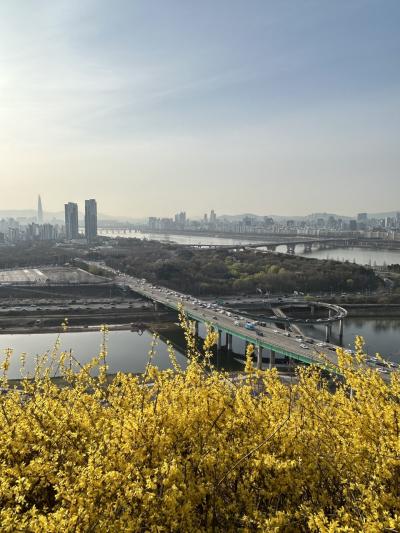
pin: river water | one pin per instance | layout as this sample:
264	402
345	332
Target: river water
128	351
362	256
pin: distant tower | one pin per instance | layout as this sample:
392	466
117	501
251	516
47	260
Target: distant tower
71	221
39	211
90	220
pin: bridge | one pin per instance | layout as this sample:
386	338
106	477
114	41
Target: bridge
275	239
308	244
335	314
264	339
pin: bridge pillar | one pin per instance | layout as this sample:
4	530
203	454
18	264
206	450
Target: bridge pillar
328	332
307	247
271	247
341	324
271	359
291	249
219	340
312	310
229	342
155	306
196	328
259	357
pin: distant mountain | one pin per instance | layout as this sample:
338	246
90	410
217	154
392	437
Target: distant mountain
18	213
313	216
30	215
383	215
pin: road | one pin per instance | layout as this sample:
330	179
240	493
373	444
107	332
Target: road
305	350
271	339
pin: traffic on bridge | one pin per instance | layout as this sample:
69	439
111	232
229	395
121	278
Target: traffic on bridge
229	324
262	335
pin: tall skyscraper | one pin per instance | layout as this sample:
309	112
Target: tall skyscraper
90	220
39	211
71	221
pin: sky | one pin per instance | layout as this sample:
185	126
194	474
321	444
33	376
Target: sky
281	107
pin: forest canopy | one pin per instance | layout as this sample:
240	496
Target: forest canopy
224	272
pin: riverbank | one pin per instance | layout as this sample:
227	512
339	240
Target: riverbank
129	326
372	310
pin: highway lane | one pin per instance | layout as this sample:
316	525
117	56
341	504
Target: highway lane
271	339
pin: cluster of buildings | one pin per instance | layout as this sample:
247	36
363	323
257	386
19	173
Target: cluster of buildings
181	222
324	224
13	231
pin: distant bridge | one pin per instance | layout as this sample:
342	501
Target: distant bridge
308	244
291	242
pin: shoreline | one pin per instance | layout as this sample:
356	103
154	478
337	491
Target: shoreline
32	330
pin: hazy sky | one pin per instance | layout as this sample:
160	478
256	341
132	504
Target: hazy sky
284	106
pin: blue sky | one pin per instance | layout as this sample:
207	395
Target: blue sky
285	107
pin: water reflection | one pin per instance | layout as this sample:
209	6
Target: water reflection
380	335
128	351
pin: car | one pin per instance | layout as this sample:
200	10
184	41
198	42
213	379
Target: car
276	331
304	346
215	318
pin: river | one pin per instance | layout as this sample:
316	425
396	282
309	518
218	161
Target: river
128	351
361	256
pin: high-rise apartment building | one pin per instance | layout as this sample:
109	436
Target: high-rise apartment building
39	211
71	221
90	220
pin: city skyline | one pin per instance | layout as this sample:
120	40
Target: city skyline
40	214
89	217
271	110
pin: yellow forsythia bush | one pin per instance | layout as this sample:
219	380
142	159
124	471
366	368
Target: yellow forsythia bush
192	451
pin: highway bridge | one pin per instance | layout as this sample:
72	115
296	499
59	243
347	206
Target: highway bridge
264	338
335	313
269	241
308	243
273	341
